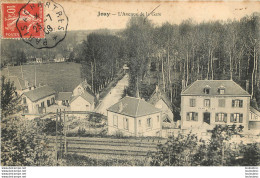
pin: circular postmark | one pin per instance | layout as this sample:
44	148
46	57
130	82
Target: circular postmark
42	24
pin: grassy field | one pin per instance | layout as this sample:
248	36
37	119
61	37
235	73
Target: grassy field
60	76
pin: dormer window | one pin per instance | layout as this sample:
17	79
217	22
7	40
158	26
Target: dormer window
80	90
221	90
206	91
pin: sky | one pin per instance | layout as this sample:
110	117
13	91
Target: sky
83	15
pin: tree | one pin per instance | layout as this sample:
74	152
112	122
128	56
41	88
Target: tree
9	98
251	154
21	145
177	151
188	150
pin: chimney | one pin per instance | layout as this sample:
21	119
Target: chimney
26	83
247	85
137	93
182	85
156	88
120	107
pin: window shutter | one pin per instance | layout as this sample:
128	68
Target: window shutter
188	116
196	116
231	117
240	103
241	118
233	103
225	118
151	122
190	102
216	117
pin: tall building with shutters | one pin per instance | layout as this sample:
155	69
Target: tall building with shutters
212	102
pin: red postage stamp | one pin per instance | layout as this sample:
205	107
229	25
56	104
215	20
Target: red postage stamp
22	20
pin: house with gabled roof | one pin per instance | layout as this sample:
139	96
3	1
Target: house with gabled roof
37	100
20	84
83	102
211	102
161	101
134	117
64	98
254	119
83	99
82	87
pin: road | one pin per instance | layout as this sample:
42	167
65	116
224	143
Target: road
113	96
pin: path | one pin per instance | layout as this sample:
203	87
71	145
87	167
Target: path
113	96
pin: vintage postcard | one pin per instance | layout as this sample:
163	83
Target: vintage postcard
86	83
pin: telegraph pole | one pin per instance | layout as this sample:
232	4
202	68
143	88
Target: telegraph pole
65	139
56	140
60	136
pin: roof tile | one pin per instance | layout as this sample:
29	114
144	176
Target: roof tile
231	88
134	107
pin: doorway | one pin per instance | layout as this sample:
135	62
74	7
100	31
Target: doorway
206	117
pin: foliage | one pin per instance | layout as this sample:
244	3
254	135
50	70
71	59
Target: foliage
251	154
189	51
219	150
21	144
188	150
80	160
48	126
101	56
9	99
177	151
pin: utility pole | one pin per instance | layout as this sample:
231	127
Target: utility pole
65	130
92	77
56	140
22	70
8	71
35	83
60	136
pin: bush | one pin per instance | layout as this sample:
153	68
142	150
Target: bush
119	134
22	145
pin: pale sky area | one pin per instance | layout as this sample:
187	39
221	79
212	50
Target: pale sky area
84	15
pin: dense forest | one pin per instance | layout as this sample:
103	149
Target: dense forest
171	56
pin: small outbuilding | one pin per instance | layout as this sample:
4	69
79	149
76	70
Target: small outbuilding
134	117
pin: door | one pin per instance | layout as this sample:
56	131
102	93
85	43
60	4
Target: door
206	117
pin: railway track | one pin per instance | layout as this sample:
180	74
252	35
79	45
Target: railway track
107	146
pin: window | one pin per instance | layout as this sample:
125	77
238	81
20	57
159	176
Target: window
24	100
221	103
52	100
192	102
48	103
115	121
80	90
221	91
42	104
192	116
149	123
237	103
126	124
207	103
221	117
236	117
139	123
206	91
